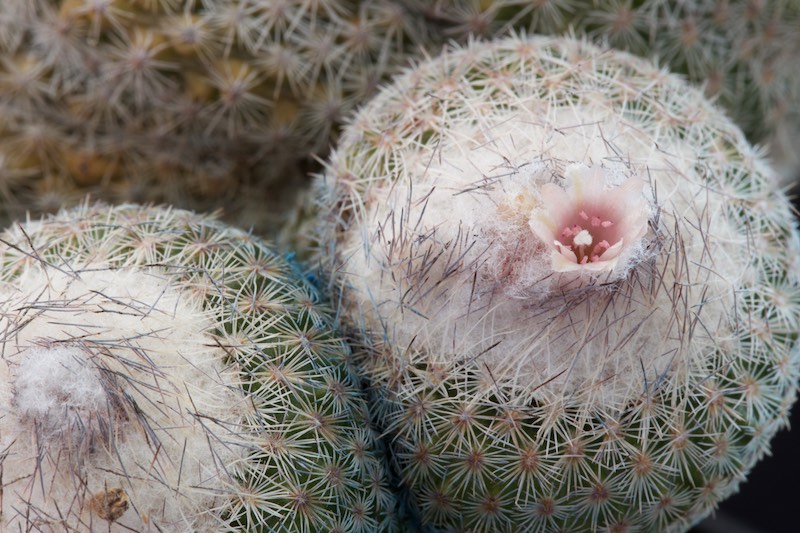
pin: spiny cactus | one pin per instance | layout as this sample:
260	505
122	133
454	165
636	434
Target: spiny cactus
192	103
164	372
576	284
743	52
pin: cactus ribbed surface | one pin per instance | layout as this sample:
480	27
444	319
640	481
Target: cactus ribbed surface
195	103
164	372
576	283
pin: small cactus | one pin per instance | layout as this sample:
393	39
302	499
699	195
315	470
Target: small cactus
576	285
164	372
196	104
743	52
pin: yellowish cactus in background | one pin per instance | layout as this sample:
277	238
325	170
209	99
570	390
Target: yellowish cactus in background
206	104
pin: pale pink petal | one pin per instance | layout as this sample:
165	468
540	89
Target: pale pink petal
601	266
584	182
562	264
562	250
557	200
543	226
613	251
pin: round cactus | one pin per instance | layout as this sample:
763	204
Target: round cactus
742	52
576	285
197	104
164	372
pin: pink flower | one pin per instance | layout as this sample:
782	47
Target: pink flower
588	226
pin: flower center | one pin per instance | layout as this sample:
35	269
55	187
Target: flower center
587	237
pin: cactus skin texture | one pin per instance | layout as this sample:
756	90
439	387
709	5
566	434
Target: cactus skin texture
527	386
164	372
198	104
743	52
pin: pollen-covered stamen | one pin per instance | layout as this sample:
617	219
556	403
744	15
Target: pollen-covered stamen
588	243
590	225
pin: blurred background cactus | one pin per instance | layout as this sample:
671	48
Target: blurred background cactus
576	284
164	372
198	104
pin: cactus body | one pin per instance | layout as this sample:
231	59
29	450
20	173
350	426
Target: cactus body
196	104
164	372
576	284
743	52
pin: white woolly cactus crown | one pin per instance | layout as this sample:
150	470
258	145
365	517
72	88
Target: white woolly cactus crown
459	247
563	251
161	371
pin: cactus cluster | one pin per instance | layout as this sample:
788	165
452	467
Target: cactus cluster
195	103
743	52
571	283
576	286
164	372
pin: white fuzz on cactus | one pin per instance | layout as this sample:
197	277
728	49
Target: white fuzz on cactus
564	264
164	372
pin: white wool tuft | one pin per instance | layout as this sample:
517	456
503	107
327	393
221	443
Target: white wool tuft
106	369
51	380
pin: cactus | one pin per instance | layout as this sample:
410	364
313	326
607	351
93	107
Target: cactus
742	52
196	104
575	283
164	372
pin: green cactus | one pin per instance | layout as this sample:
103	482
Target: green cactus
576	285
164	372
196	104
743	52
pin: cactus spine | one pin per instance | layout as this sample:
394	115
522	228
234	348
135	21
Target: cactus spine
742	52
164	372
576	284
